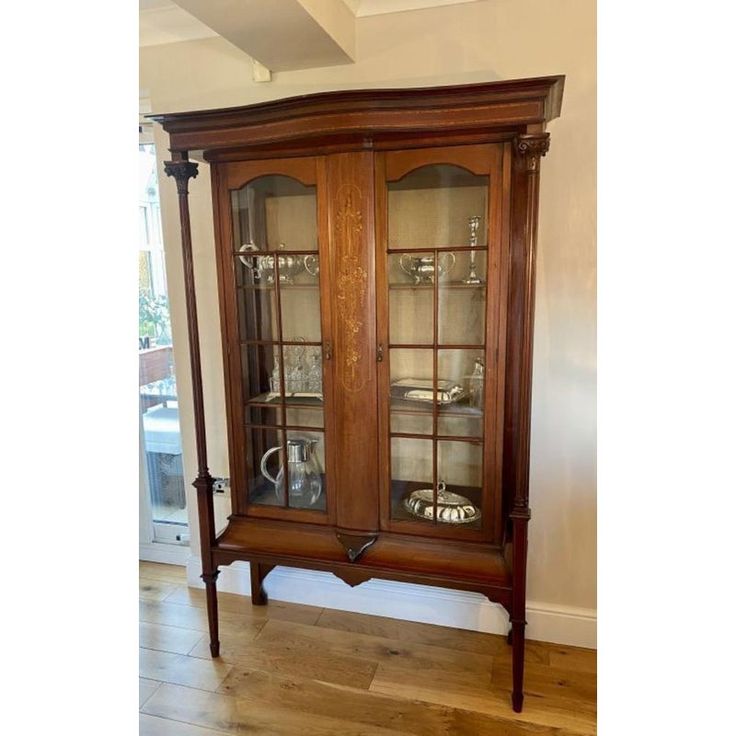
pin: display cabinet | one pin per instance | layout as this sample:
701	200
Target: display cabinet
375	254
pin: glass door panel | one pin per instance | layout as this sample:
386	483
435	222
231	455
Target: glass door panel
274	213
462	302
411	470
411	317
430	207
463	417
263	463
436	276
460	480
411	390
277	280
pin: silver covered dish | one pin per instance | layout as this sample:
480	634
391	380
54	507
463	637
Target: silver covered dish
420	389
452	508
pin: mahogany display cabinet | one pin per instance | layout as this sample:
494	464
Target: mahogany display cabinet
376	264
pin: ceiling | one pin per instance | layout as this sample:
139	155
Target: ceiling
283	35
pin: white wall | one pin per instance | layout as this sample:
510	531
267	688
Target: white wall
483	41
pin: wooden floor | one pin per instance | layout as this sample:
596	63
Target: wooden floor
292	669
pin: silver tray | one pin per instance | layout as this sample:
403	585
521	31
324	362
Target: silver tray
452	508
420	389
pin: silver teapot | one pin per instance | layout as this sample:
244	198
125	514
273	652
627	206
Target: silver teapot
264	264
422	268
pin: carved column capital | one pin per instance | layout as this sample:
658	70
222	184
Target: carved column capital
530	147
182	170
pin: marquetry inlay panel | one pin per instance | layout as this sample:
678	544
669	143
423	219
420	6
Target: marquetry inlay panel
351	248
352	281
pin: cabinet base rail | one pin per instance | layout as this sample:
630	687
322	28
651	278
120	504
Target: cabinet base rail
487	570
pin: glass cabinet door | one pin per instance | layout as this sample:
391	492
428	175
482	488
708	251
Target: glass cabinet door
433	244
277	291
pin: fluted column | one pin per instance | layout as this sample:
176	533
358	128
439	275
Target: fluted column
528	151
183	170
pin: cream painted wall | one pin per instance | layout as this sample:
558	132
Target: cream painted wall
493	39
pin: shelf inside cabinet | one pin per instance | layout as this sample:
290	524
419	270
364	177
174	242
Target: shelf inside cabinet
458	409
442	285
274	400
283	287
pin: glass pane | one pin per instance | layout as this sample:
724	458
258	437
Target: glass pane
431	207
459	481
463	416
265	456
257	313
304	416
411	373
306	465
275	213
160	436
261	373
269	415
411	299
303	372
411	419
300	313
411	470
462	301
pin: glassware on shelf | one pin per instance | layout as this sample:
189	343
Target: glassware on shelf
264	265
452	508
475	384
422	268
302	372
304	471
473	224
275	380
314	374
311	265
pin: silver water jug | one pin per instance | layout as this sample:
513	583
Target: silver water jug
304	471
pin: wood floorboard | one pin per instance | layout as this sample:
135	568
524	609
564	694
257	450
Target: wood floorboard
190	617
412	656
369	708
168	573
574	658
428	634
146	688
290	658
156	726
167	638
458	691
230	603
154	590
292	669
238	715
178	669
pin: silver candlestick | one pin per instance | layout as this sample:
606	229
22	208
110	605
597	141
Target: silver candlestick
474	225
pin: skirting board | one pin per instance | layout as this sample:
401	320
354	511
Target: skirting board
454	608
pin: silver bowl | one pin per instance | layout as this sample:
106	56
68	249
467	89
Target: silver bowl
452	508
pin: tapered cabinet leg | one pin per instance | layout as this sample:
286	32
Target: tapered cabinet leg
517	653
258	572
211	594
